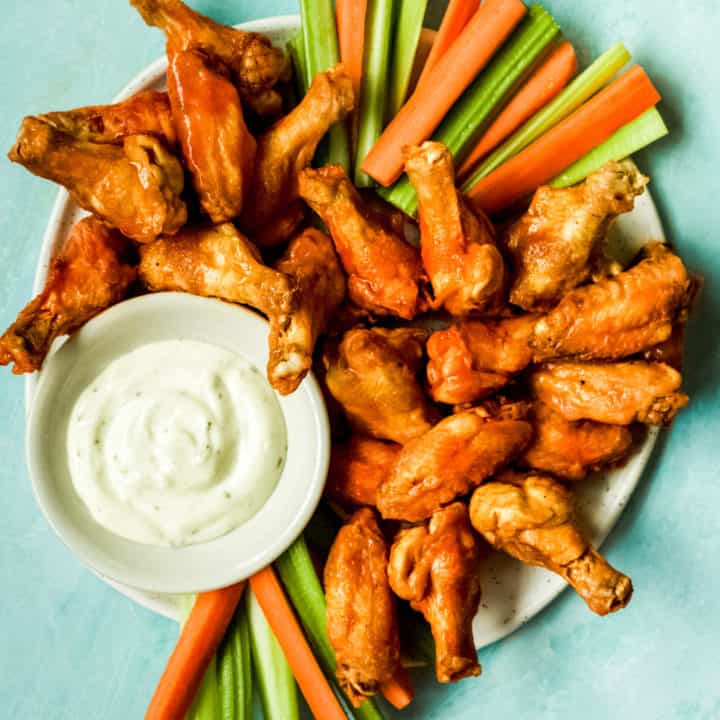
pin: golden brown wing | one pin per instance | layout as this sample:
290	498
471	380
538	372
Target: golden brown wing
92	271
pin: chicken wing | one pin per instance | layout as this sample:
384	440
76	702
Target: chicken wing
361	615
92	271
530	518
448	461
311	262
436	569
670	351
357	468
474	358
458	248
135	188
554	243
217	147
289	146
385	271
618	316
371	378
256	65
613	393
570	449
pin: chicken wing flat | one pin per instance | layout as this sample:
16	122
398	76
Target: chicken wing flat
371	378
357	468
458	248
135	188
530	518
145	113
448	461
618	316
554	243
436	569
310	261
614	393
361	615
217	147
288	147
256	65
473	358
570	450
385	271
91	271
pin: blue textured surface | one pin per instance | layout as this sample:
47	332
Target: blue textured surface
74	649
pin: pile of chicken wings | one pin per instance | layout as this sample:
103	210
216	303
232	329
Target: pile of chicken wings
471	380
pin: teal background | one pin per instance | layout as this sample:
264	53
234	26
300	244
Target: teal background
71	648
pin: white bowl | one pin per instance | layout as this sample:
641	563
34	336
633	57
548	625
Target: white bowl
192	568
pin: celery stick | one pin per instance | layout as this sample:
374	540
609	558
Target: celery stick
410	16
275	680
373	95
480	103
296	50
637	134
206	706
227	679
583	87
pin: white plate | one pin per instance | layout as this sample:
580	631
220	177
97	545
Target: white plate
512	593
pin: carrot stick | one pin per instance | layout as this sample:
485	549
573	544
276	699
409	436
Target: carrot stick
591	124
456	17
398	691
540	89
350	16
455	70
196	646
309	676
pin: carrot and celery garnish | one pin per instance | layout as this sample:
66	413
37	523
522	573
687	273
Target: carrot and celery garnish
275	681
398	691
594	122
456	69
350	16
629	139
424	48
371	113
583	87
296	50
313	684
553	75
199	639
490	91
234	669
456	17
321	53
409	18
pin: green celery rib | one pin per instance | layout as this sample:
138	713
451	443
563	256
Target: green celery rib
226	679
298	575
583	87
410	16
296	50
205	705
275	680
378	37
481	102
637	134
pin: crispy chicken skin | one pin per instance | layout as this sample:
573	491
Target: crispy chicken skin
357	468
145	113
458	248
554	243
90	272
618	316
448	461
361	615
614	393
435	567
217	147
289	145
384	271
311	262
569	450
530	518
256	65
370	376
473	358
135	188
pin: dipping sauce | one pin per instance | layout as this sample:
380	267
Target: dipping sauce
177	442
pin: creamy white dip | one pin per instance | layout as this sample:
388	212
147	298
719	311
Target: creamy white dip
175	443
